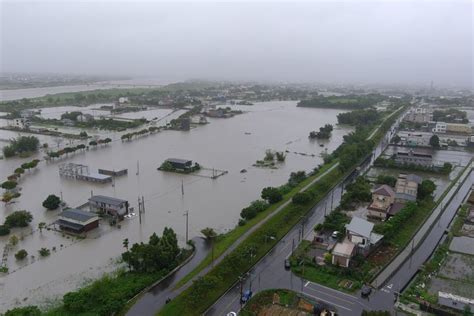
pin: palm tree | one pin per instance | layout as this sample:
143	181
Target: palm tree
41	226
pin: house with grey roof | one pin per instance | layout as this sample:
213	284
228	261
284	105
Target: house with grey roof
360	232
102	204
77	221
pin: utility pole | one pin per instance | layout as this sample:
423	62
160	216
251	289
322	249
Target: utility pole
139	211
143	204
187	216
241	290
182	188
138	168
292	246
61	193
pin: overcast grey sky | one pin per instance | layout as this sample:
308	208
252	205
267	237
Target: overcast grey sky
351	41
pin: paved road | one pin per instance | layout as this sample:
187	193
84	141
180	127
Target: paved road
270	273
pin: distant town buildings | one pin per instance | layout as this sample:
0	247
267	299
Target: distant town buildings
419	115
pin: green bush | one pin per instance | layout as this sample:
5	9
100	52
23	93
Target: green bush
52	202
21	254
24	311
4	230
272	195
301	198
18	219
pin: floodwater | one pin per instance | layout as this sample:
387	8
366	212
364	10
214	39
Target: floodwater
227	144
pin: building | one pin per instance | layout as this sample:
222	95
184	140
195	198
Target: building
382	199
180	164
406	188
464	129
415	139
419	115
108	205
85	118
440	127
360	232
342	253
455	301
77	221
21	122
454	128
414	157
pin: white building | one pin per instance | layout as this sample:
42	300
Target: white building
440	127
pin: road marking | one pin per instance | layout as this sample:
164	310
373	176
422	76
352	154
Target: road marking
231	302
317	298
306	284
333	296
328	288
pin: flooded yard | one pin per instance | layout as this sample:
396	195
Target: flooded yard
225	144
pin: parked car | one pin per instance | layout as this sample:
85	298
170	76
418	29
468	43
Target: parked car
232	314
287	264
246	296
335	234
366	290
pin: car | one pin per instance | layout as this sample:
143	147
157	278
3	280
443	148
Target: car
287	264
335	234
246	296
366	290
232	314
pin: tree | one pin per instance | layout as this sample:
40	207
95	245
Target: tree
272	195
447	168
18	219
44	252
269	155
209	233
52	202
4	230
425	189
24	311
21	254
301	198
388	180
434	141
41	226
83	134
19	171
93	143
107	140
125	243
13	240
280	156
396	139
9	185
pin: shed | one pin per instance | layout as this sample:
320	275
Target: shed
182	164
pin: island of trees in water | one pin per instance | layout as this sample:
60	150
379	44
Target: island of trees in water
352	102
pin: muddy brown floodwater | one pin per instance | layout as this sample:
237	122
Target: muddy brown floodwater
229	144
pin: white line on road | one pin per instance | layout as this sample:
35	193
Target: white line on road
306	284
317	298
333	296
328	288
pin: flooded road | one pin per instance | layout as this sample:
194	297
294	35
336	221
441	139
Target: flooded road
227	144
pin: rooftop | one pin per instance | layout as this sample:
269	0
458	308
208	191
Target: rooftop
344	249
360	227
77	215
107	200
384	190
177	160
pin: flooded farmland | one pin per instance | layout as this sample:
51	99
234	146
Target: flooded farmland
227	144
